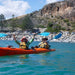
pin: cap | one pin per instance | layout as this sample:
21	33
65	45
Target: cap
23	39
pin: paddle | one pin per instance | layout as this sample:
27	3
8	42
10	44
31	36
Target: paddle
58	35
44	34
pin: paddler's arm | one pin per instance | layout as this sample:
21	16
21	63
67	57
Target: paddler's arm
30	41
16	40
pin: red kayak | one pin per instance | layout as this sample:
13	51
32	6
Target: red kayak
4	51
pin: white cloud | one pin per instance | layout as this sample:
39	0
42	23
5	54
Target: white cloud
16	7
52	1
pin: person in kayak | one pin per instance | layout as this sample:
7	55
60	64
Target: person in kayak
24	44
44	43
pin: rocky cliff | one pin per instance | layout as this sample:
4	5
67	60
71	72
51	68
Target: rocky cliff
57	13
62	13
66	9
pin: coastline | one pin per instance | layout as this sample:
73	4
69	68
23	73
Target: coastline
66	36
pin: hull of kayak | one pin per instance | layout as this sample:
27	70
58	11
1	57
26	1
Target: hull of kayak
4	51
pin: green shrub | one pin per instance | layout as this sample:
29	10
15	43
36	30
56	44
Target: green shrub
27	23
68	24
40	26
53	28
50	24
66	20
63	28
73	24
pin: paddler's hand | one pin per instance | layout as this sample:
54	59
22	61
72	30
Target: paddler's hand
14	37
34	35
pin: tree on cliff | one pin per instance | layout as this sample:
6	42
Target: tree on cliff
2	21
52	27
27	23
13	22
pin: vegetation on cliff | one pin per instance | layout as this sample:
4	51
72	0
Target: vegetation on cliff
2	21
26	23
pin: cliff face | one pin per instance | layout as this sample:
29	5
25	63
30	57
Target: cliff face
66	9
56	13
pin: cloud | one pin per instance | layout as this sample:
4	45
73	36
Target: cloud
52	1
16	7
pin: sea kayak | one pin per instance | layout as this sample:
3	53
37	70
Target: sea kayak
4	51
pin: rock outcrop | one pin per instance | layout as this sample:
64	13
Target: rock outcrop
66	9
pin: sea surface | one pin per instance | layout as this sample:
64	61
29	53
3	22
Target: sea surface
59	62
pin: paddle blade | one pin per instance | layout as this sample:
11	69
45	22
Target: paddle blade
3	34
58	36
44	34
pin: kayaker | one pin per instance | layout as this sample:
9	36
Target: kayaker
24	44
44	43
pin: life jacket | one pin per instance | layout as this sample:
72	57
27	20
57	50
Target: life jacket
23	45
44	45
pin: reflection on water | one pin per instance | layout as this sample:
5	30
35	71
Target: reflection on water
45	54
13	59
39	59
25	56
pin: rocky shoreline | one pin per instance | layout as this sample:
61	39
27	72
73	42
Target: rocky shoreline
66	37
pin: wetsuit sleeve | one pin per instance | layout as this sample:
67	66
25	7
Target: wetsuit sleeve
29	42
17	42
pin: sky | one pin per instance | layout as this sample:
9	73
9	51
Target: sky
22	7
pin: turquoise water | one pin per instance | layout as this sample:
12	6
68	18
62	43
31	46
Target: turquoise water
59	62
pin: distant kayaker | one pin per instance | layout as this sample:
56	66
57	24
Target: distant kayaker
24	44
